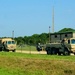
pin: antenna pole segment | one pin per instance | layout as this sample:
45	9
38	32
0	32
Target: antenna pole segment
53	20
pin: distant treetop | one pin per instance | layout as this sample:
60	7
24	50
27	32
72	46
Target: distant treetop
67	30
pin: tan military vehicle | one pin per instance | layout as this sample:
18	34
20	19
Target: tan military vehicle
7	44
61	43
64	47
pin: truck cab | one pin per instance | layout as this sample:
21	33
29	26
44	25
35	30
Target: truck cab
7	44
71	42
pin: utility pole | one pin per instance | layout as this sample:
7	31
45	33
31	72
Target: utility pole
13	34
49	34
53	20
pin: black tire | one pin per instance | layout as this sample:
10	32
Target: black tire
6	50
53	51
59	53
48	50
66	52
13	50
1	49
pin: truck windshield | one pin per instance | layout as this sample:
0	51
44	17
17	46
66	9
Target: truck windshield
11	42
73	41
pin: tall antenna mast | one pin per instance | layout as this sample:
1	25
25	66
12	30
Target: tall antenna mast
13	34
53	20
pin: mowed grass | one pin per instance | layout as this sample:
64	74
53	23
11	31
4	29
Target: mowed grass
31	64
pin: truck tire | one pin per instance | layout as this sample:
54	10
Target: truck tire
1	49
66	52
48	50
74	53
59	53
53	51
13	50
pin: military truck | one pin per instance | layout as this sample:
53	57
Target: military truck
61	43
64	47
7	44
38	47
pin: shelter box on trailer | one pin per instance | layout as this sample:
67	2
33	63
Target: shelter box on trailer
54	37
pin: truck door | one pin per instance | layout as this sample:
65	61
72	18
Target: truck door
72	43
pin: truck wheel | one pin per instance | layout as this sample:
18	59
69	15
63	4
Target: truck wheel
59	53
7	51
66	53
48	50
1	49
13	50
53	50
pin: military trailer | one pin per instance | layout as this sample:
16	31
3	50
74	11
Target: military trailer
61	43
7	44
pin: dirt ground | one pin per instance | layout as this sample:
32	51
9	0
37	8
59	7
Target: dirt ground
33	52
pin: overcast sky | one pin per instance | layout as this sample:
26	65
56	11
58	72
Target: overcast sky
28	17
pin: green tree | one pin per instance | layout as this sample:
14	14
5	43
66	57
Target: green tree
20	40
43	37
67	30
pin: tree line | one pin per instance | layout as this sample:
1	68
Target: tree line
37	38
34	39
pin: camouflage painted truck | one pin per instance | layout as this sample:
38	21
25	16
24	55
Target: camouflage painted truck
65	47
7	44
61	43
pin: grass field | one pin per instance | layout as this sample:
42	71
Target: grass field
26	47
31	64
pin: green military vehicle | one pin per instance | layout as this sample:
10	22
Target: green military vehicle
7	44
64	47
61	44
